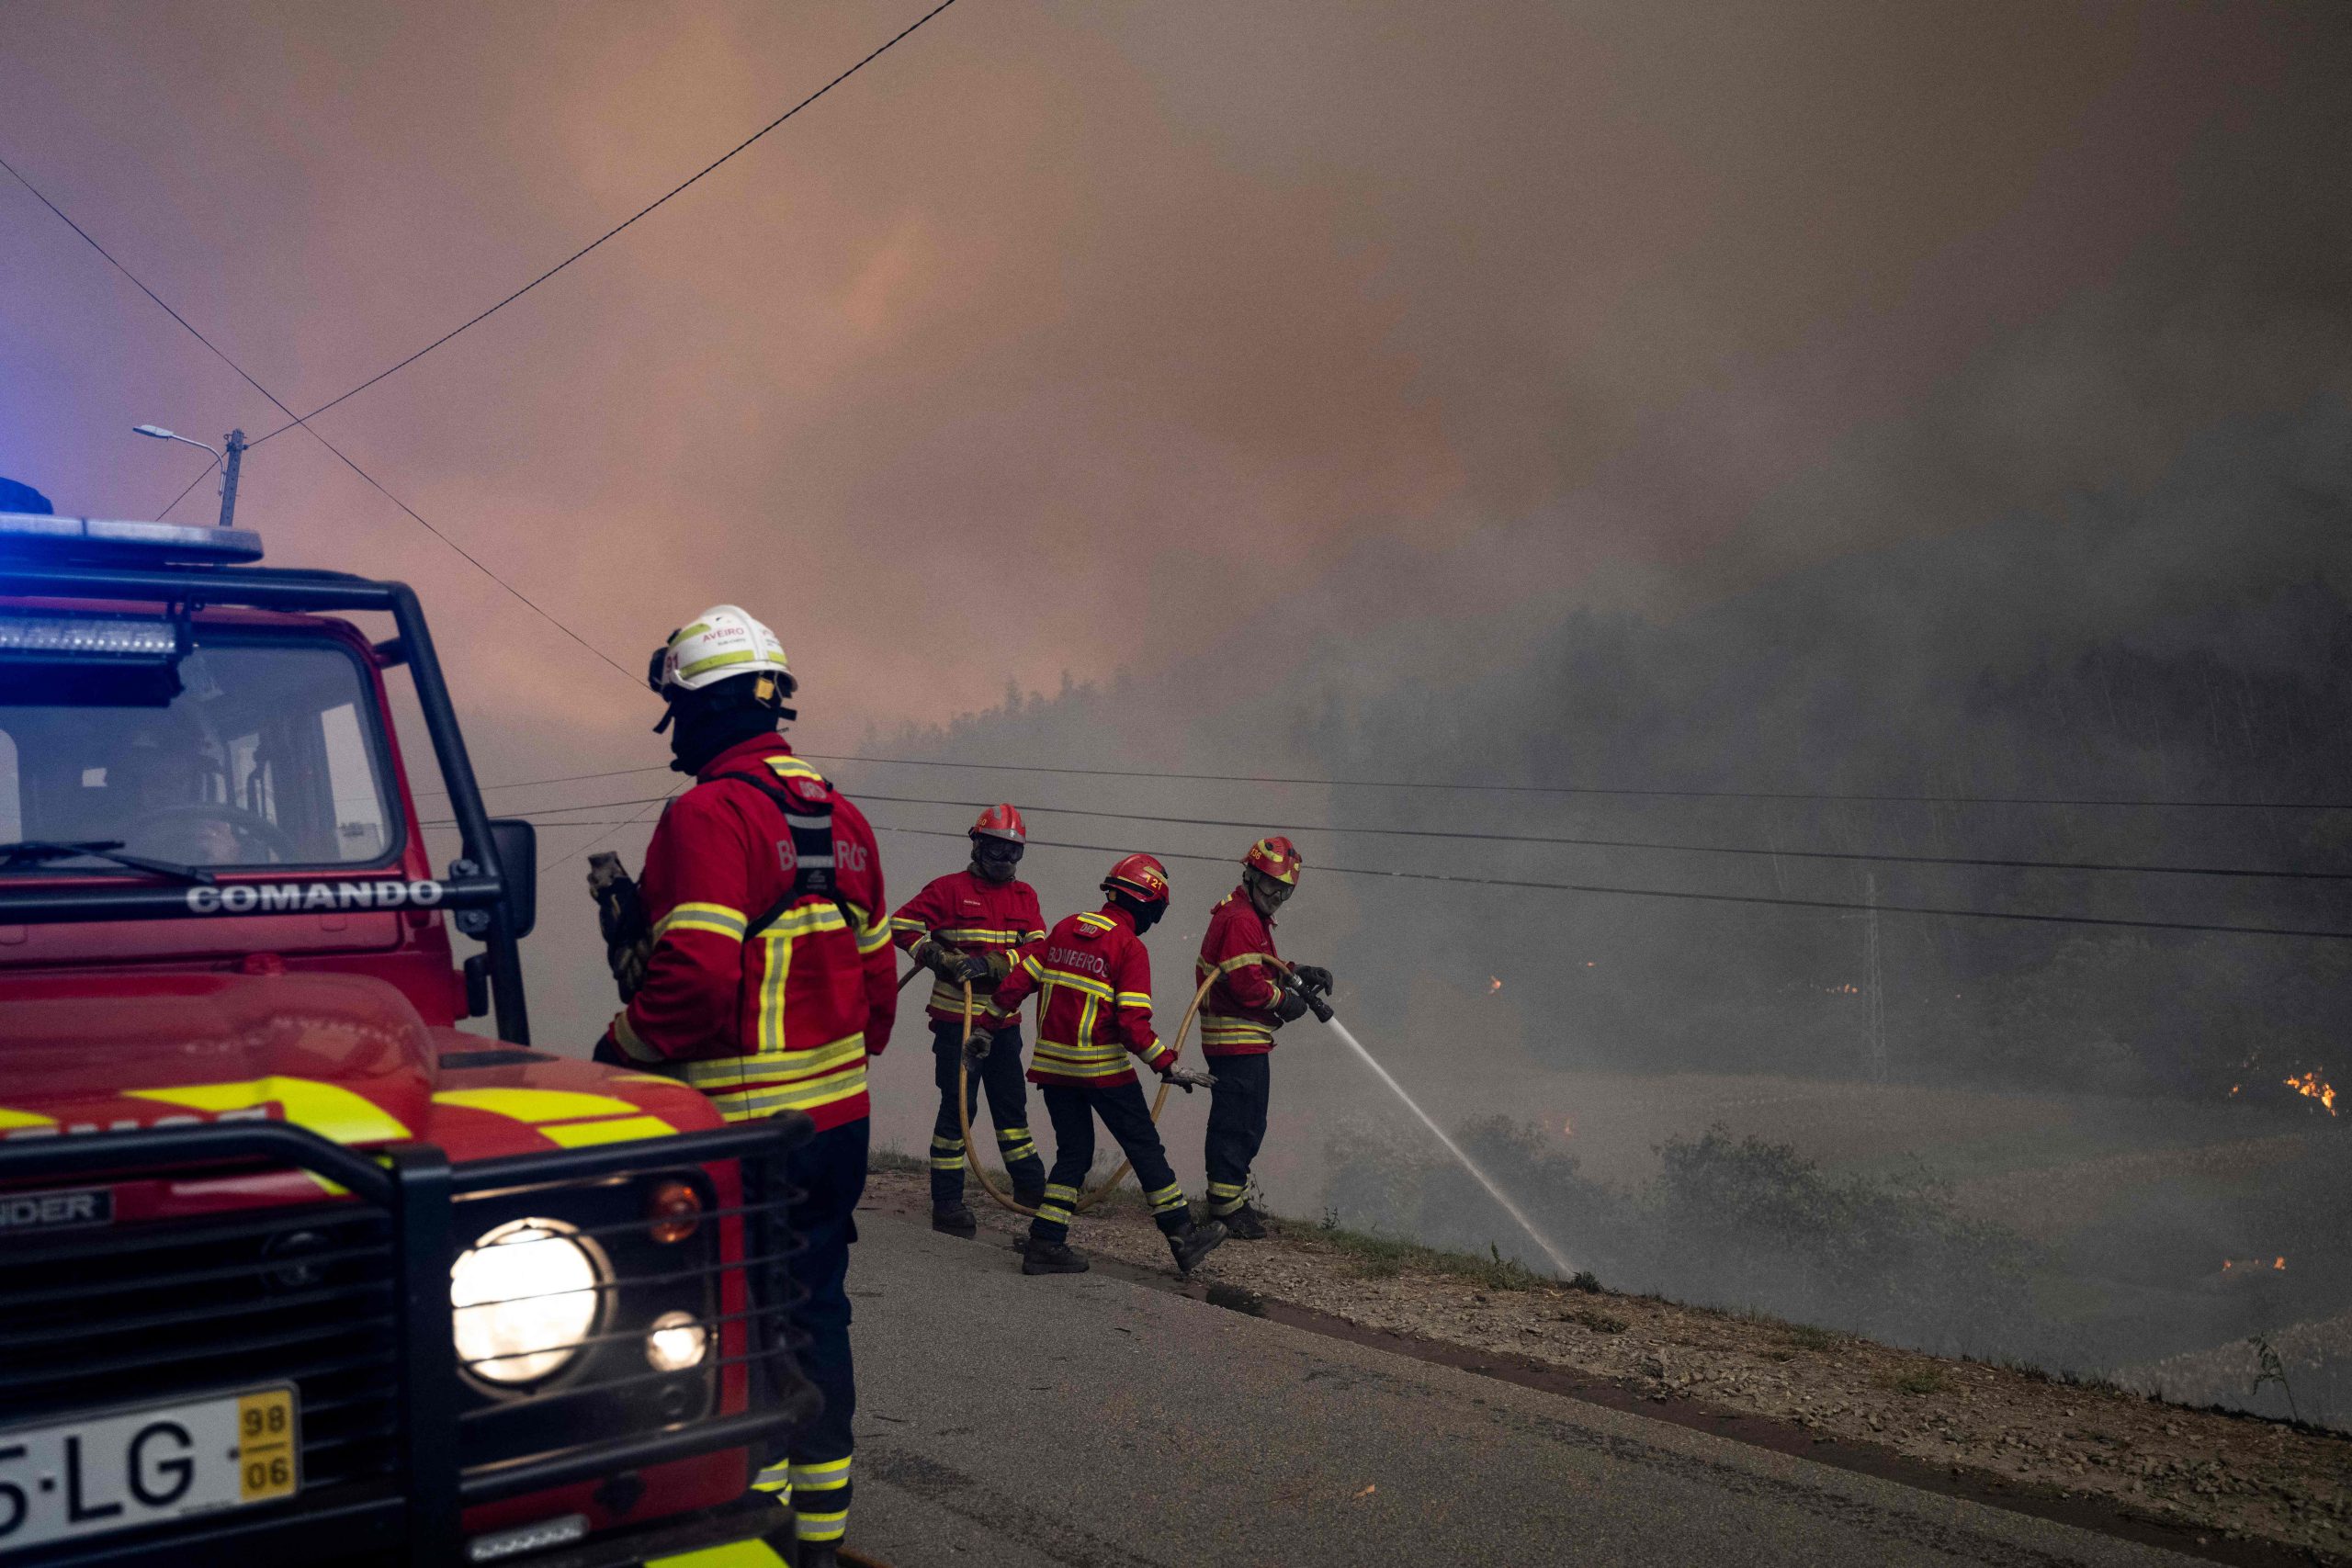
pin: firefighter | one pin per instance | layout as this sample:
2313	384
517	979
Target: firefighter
1095	980
971	927
769	984
1239	1018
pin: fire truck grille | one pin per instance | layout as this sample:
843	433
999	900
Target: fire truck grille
143	1313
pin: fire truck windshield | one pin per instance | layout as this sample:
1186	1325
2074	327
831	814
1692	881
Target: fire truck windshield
271	754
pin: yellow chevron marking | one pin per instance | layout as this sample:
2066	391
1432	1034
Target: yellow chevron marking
328	1110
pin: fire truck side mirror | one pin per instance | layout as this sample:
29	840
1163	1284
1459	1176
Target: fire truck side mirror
518	863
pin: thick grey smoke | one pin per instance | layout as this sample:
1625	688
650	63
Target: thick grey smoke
2028	1140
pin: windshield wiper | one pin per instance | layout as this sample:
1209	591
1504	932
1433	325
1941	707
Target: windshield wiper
31	851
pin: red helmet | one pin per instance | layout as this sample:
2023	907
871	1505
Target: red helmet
1001	822
1139	876
1276	857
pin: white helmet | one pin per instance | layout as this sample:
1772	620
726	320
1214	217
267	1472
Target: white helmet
718	645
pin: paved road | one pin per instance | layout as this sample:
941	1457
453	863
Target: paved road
1098	1423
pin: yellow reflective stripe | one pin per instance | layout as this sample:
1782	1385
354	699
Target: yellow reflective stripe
820	1527
24	1119
1030	966
557	1112
872	939
1057	1189
1097	922
900	923
779	1067
717	662
1243	961
744	1104
696	923
1081	983
823	1473
328	1109
978	933
771	1027
626	1039
735	1554
1228	1188
791	767
1133	999
536	1104
806	920
620	1130
1097	1050
1033	936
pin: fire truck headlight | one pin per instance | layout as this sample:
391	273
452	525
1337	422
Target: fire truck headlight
678	1341
523	1299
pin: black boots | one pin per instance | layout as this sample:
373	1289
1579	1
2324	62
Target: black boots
1194	1242
1051	1258
952	1218
1245	1223
819	1555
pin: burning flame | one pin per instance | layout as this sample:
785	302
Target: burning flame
2310	1085
1493	986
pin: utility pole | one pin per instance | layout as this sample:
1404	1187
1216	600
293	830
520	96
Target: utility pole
236	450
1878	994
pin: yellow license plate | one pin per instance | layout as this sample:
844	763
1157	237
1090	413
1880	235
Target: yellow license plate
113	1469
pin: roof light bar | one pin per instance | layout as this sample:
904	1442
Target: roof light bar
58	640
31	538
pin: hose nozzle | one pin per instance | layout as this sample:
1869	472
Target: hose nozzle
1308	995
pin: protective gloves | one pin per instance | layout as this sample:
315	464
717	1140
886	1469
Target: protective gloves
1290	1006
952	967
1314	977
1188	1080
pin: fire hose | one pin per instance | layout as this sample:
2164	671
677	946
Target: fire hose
1087	1201
963	1108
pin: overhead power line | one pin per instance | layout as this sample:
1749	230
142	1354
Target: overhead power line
1599	789
1477	788
1566	841
340	455
165	516
1700	897
674	190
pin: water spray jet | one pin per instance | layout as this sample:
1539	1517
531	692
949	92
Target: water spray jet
1322	1011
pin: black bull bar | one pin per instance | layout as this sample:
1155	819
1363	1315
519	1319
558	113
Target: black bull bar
391	1484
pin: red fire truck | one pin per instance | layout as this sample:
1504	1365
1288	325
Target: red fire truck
292	1270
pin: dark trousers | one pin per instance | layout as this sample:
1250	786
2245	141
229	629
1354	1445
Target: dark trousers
1008	1108
1121	1107
830	1172
1236	1127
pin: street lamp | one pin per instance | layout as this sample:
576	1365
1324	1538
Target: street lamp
236	442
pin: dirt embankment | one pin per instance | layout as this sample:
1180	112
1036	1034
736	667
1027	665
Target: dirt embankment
2235	1477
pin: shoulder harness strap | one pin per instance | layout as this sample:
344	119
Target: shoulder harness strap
808	815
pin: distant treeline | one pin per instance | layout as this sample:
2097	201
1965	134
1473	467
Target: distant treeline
2193	643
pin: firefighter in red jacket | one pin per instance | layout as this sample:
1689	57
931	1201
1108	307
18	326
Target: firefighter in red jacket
1095	978
972	927
1239	1018
769	984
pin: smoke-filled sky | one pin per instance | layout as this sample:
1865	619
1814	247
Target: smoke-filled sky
1072	336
